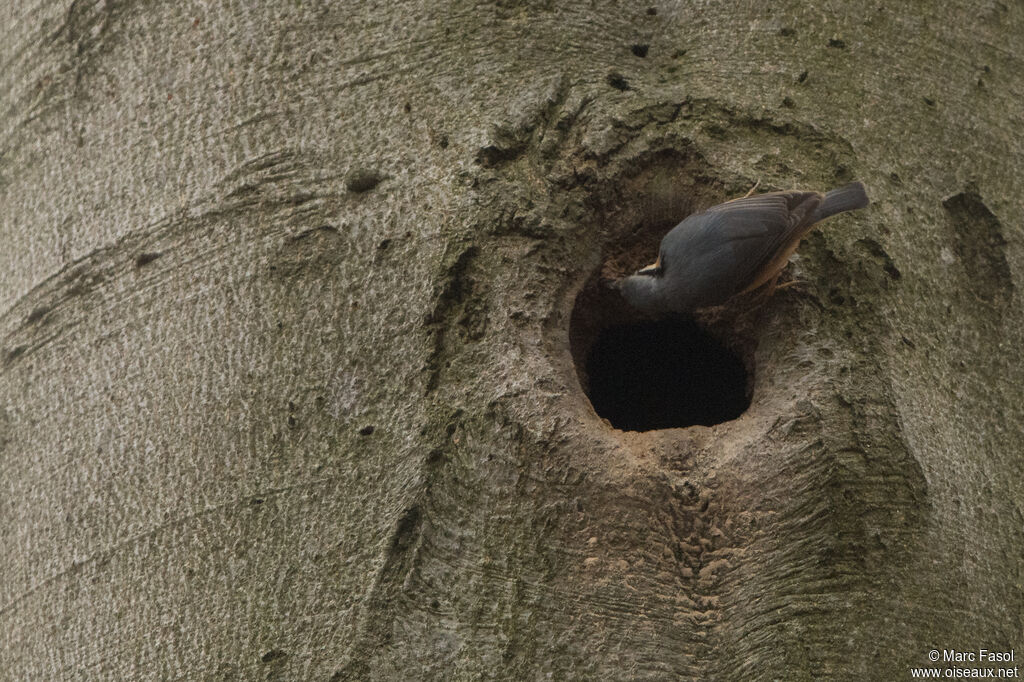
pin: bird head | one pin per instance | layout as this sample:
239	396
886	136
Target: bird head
643	289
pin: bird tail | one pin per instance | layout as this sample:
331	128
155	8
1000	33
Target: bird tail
846	198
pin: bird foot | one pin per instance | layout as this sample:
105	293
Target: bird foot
773	285
790	283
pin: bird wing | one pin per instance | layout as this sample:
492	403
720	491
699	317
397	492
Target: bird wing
740	238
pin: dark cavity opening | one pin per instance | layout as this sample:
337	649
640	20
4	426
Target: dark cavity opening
664	374
643	374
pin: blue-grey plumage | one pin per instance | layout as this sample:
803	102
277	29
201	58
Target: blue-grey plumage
732	248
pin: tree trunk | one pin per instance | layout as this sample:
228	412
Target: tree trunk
299	299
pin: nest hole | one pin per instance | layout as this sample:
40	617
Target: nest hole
662	374
644	374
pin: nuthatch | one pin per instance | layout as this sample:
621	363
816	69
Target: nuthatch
732	248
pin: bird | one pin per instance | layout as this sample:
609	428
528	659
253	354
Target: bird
731	248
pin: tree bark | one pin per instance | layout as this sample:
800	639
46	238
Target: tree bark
287	388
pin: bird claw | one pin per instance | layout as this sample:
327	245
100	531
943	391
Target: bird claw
790	283
773	285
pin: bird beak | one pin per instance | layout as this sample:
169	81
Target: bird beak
651	270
